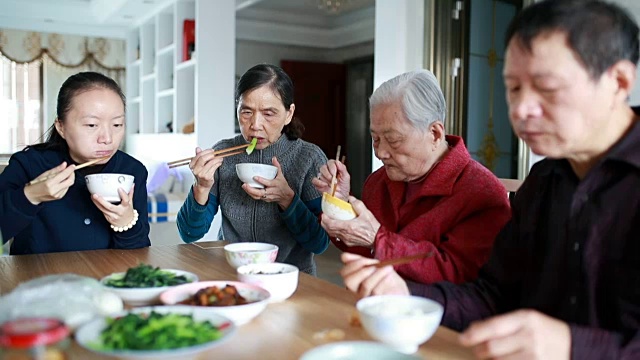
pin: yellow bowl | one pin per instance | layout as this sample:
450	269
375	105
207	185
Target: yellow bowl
337	208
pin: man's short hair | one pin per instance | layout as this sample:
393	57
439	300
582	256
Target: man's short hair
599	33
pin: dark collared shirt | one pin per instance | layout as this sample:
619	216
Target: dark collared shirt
571	251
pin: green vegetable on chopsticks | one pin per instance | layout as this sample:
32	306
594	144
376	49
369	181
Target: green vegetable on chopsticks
252	146
156	332
146	276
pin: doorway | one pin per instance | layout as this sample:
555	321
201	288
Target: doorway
332	101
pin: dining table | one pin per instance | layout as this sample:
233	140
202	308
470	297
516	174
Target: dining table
284	330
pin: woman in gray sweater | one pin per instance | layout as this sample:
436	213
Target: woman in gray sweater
285	212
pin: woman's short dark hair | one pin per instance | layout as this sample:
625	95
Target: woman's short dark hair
273	76
75	85
600	34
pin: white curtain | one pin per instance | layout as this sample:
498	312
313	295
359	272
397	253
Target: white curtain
63	56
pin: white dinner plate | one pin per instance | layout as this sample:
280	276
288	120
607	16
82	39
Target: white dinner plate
355	350
88	335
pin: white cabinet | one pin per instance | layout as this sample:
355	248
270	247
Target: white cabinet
164	92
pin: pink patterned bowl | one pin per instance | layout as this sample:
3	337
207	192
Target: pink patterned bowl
245	253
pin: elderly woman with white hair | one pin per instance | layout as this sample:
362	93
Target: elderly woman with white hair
429	196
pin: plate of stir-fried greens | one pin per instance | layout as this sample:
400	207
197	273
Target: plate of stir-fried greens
143	284
155	332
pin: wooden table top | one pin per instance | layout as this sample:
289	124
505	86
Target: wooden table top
283	330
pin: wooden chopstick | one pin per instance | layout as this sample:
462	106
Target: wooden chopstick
218	152
334	186
403	260
187	161
334	180
78	167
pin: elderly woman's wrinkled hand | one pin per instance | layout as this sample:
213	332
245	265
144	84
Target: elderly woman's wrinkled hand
203	166
366	280
276	190
360	231
323	180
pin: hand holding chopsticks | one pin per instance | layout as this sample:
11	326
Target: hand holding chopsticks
78	167
235	150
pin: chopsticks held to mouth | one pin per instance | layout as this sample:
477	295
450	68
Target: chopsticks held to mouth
78	167
403	260
235	150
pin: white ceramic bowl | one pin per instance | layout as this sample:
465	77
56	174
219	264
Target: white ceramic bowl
337	208
240	314
244	253
280	280
143	296
402	322
247	171
107	185
355	350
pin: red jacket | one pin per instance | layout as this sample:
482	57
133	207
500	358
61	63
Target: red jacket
457	214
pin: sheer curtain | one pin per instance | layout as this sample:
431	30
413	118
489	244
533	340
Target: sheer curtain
34	66
55	74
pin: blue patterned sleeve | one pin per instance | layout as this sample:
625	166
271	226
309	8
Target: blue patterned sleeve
302	220
194	220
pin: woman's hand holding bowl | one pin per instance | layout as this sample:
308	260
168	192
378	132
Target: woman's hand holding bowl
117	215
276	190
360	231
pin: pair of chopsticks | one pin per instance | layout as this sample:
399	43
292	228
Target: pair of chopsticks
336	177
78	167
235	150
403	260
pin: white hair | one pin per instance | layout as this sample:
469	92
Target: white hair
420	94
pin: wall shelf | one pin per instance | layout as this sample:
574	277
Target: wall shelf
166	92
186	64
151	76
166	50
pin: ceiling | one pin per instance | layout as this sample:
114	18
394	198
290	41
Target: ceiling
109	18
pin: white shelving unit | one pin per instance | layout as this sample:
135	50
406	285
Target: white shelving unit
165	93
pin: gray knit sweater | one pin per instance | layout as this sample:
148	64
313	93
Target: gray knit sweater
245	219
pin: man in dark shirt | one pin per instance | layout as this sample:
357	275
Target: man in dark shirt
564	276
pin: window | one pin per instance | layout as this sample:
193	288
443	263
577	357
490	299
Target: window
21	120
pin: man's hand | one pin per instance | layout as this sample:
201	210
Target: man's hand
522	334
366	280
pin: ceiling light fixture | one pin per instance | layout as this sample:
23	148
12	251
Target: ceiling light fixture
331	6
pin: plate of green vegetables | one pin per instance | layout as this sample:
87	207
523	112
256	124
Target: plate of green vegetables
143	284
155	333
